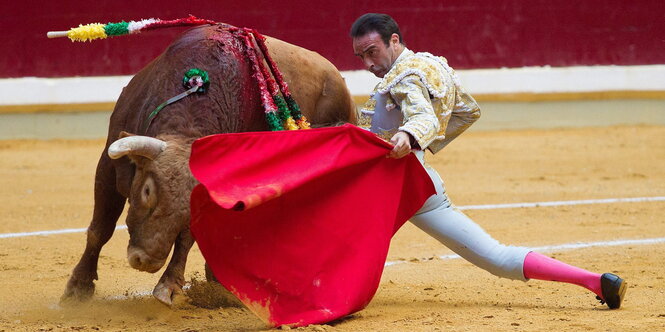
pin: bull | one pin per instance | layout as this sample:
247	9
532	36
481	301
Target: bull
151	172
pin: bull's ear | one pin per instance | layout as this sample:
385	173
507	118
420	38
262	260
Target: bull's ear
124	134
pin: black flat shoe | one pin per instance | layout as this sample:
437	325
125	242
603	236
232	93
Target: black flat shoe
613	289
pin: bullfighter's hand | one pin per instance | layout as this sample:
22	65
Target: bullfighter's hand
402	145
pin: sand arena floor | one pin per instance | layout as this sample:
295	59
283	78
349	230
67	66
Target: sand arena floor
47	185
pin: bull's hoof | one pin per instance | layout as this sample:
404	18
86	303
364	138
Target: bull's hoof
165	293
77	291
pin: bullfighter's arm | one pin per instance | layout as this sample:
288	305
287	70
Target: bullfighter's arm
411	95
464	114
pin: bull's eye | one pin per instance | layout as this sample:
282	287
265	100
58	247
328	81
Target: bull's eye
148	193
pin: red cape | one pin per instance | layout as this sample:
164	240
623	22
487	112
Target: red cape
297	224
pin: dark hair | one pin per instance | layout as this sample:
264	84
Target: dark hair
383	24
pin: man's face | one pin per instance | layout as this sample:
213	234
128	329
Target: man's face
375	54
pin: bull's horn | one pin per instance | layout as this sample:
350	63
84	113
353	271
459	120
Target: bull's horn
145	146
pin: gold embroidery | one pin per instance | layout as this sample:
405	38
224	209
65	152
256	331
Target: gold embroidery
430	70
411	94
365	117
364	121
386	135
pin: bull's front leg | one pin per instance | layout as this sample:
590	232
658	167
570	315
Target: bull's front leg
108	207
173	279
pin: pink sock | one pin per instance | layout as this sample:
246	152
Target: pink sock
541	267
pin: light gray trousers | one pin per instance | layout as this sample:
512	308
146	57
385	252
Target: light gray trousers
441	220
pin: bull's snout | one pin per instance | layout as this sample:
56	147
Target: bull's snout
141	261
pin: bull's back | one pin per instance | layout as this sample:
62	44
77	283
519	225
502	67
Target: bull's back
232	102
316	83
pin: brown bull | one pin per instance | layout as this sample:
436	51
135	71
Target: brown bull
152	173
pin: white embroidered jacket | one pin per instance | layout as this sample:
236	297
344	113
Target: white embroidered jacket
435	108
